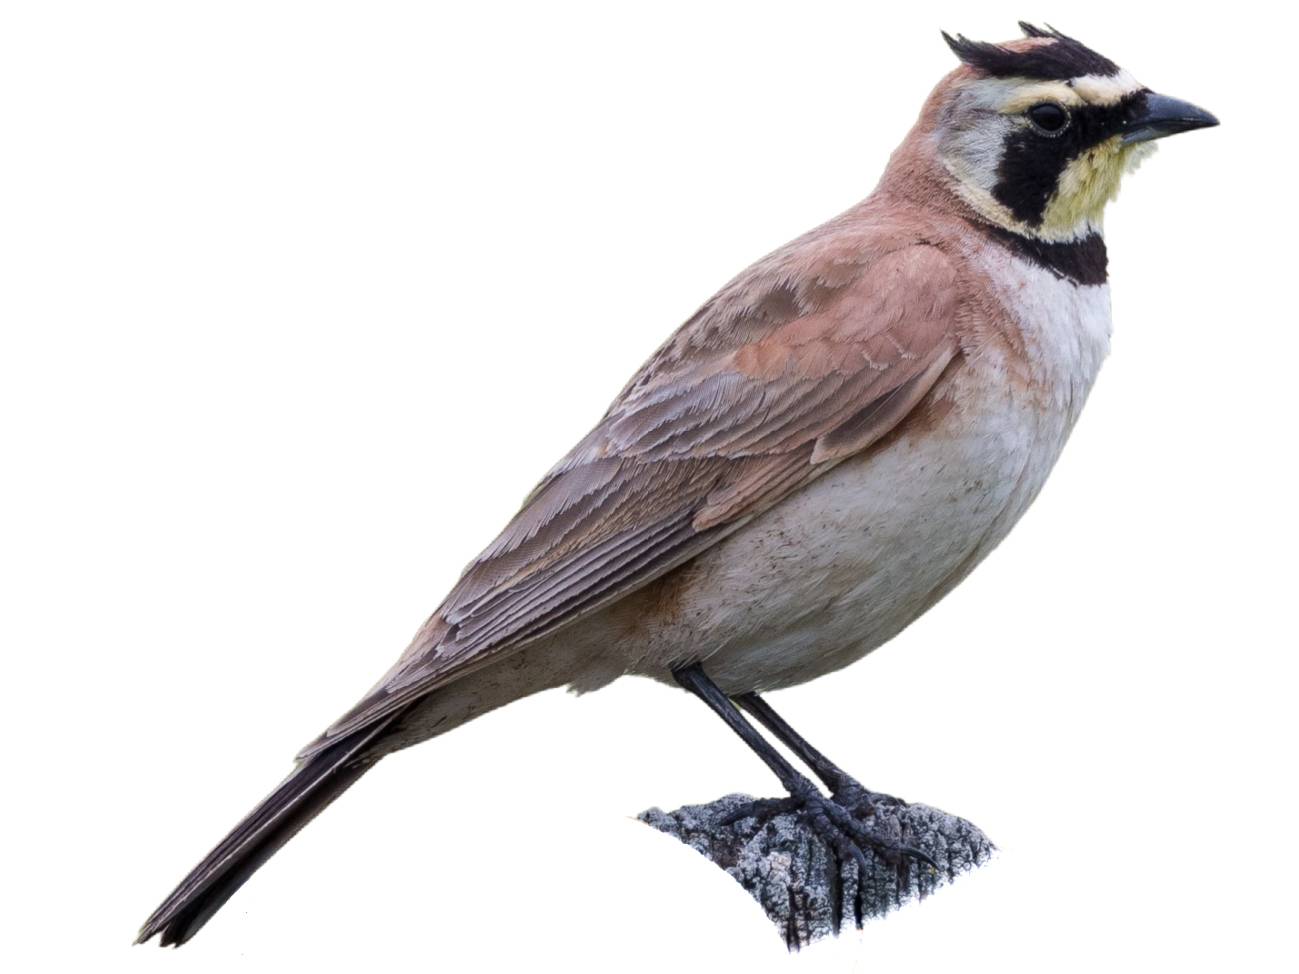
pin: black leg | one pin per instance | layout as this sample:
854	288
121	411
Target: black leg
844	833
697	682
836	779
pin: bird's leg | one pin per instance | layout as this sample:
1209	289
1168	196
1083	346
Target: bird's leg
844	788
845	834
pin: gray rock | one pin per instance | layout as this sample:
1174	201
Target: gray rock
797	879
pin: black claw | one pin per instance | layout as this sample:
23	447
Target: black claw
914	853
820	820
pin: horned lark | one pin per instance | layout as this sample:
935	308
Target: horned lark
817	456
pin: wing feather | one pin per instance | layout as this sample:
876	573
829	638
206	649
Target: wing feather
775	380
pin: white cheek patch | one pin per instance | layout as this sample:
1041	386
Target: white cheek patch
974	155
1106	90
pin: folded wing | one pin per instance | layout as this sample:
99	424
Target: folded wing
796	365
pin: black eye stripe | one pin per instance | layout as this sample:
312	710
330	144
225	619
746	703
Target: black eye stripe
1031	164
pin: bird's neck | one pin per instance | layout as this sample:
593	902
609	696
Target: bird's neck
914	176
917	179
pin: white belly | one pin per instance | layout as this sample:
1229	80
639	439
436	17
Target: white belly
846	563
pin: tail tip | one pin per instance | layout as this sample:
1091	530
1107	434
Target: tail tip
169	934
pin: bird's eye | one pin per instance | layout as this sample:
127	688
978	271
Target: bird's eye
1048	118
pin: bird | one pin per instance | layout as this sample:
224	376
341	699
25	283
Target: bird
821	452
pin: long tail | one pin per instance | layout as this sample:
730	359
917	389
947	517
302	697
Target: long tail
302	796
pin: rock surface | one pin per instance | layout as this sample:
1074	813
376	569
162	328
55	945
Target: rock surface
797	879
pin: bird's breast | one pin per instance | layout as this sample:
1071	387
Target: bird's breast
1054	333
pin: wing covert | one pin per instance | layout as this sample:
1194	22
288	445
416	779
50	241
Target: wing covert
788	371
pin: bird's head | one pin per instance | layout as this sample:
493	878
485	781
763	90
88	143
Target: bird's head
1036	133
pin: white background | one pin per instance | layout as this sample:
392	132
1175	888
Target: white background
299	300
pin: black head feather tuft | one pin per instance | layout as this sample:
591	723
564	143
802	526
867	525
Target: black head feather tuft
1060	60
1031	30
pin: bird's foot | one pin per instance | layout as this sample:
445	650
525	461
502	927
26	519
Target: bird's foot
861	802
842	822
761	809
851	794
849	830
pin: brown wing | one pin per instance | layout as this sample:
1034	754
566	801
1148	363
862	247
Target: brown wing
787	371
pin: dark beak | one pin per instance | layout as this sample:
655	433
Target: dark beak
1161	115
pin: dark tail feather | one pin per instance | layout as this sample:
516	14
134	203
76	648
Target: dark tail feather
302	796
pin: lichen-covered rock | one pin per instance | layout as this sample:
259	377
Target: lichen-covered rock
796	877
